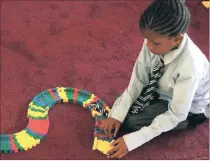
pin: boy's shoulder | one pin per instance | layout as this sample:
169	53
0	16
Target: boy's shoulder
193	60
193	53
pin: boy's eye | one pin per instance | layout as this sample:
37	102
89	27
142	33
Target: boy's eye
156	44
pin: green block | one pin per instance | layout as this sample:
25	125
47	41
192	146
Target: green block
34	135
70	94
47	98
36	110
4	145
36	104
38	117
17	143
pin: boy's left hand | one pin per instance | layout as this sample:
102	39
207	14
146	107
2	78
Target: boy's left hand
119	150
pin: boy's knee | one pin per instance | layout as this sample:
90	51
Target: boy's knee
182	125
129	121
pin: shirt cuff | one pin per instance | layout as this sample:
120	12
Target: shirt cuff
133	140
138	138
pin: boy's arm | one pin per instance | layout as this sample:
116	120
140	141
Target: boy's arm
139	79
179	107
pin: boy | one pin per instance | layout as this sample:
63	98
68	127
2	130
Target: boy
169	85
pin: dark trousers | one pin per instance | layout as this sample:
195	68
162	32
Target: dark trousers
137	121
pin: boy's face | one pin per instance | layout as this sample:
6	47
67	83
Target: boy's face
159	44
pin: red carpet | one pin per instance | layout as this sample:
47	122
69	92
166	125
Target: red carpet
83	45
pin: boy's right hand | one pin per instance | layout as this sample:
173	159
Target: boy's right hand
109	124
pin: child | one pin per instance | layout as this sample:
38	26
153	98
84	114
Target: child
169	85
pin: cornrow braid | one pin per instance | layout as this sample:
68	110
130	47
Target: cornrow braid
166	17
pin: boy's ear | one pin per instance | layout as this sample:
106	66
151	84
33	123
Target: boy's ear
178	38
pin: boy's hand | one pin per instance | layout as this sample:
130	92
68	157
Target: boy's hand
119	150
109	124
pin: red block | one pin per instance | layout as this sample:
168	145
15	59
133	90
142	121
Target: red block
39	126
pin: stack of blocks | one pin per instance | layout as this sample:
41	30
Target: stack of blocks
38	124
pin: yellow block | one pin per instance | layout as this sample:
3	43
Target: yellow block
89	100
93	112
25	140
36	107
107	108
102	146
62	94
38	114
206	4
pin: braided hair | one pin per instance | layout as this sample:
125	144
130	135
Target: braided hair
166	17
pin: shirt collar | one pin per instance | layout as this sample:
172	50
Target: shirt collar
172	55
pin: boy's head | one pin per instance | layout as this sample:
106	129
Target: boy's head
163	24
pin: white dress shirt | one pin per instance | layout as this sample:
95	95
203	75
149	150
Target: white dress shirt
185	85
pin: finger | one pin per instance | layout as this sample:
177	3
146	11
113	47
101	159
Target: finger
110	130
115	155
106	129
116	142
117	128
122	155
114	149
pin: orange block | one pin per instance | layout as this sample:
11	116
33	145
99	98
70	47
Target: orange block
39	126
12	143
75	95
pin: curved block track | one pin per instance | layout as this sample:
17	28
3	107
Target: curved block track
38	124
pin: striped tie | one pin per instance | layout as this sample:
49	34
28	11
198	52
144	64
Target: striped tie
148	93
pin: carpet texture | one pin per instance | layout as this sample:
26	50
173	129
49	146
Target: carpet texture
90	45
